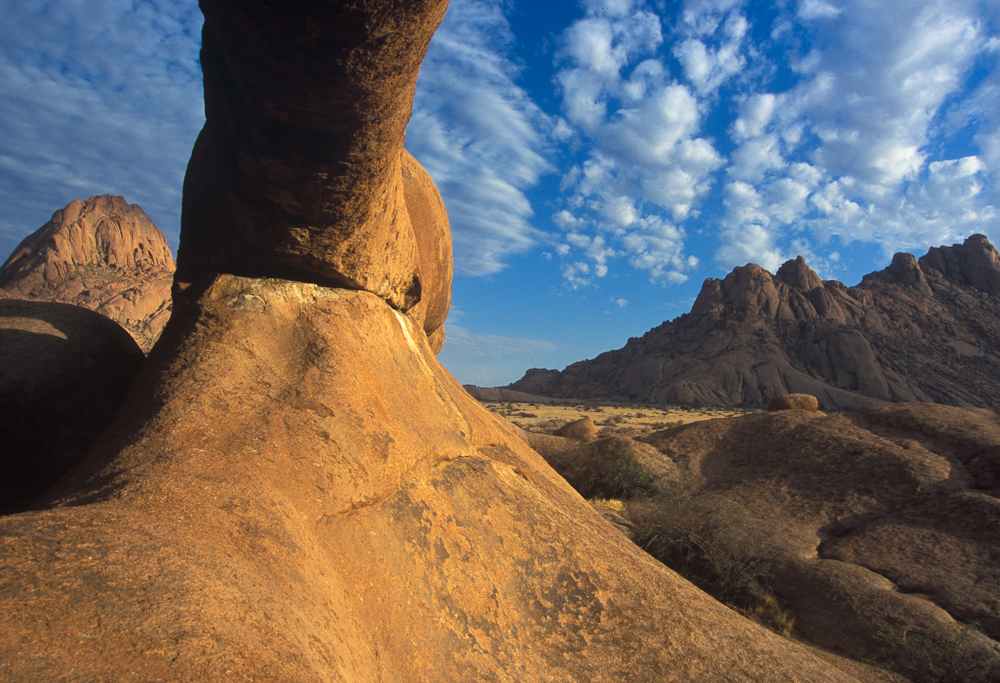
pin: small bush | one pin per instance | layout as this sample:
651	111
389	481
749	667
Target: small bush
707	541
945	654
625	479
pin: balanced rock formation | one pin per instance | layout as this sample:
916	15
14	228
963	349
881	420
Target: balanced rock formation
103	254
920	330
64	372
296	490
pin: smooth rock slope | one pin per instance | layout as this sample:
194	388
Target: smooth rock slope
920	330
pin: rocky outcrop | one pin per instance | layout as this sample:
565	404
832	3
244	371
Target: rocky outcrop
920	330
793	402
286	500
64	372
296	490
885	514
103	254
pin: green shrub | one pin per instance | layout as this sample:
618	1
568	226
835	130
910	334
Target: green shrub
626	480
944	654
705	539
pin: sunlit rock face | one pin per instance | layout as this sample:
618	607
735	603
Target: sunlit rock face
103	254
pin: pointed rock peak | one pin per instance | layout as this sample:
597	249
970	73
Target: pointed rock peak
104	231
103	254
903	261
797	274
904	270
975	263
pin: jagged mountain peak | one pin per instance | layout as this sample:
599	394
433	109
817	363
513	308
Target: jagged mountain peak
924	329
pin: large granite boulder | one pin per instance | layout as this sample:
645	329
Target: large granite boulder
297	172
64	372
103	254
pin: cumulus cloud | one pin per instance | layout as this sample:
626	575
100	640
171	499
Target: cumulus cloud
751	243
646	158
480	136
101	97
708	66
857	146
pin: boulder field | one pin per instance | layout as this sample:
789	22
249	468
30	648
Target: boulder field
295	489
888	516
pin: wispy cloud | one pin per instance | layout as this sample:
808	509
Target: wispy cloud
479	135
487	359
100	97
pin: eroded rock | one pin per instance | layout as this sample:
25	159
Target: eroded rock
362	518
103	254
297	172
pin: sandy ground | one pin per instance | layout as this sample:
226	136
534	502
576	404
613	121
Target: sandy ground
544	418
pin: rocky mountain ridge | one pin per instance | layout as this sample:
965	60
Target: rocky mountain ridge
103	254
923	329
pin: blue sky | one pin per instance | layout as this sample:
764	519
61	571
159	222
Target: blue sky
599	159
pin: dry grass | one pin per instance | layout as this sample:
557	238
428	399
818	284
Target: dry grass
539	417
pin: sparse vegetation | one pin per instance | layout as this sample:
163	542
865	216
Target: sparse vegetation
707	540
625	480
607	504
945	654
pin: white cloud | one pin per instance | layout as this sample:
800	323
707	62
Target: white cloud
708	67
756	157
756	112
641	132
657	246
479	136
750	243
810	10
850	149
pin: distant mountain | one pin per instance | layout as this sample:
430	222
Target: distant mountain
920	330
103	254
